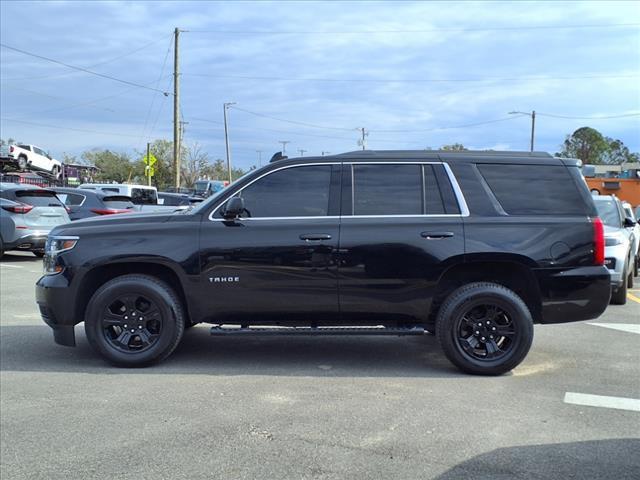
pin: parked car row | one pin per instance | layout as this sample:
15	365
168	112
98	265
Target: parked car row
622	242
30	211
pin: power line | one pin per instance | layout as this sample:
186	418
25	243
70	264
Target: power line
605	117
292	121
68	128
109	77
427	30
93	65
451	127
414	80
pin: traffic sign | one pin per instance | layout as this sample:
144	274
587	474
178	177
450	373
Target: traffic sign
150	160
149	171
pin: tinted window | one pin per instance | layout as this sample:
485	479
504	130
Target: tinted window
70	198
608	212
117	202
143	196
39	198
387	190
433	199
292	192
173	200
534	189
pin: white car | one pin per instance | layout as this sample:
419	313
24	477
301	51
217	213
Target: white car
618	240
30	157
628	210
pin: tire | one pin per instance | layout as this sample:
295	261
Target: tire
121	303
504	312
38	253
22	162
619	296
630	277
1	247
636	266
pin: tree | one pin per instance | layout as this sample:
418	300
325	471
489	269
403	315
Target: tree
618	153
164	175
587	144
114	167
454	147
195	165
8	141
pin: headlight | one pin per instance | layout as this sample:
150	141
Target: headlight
53	248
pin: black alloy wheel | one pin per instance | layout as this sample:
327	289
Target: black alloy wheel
484	328
134	320
486	332
131	323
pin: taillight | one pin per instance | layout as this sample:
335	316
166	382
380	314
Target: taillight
598	241
19	208
109	211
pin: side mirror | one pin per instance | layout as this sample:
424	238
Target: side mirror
234	208
628	222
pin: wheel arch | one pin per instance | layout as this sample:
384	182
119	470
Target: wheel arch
511	271
101	274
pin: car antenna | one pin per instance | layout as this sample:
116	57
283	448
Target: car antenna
278	156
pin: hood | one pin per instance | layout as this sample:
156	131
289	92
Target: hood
112	223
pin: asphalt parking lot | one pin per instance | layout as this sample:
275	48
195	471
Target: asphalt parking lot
282	407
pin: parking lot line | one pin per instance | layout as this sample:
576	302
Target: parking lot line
618	403
9	266
623	327
633	297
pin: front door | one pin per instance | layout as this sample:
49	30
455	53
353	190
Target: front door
276	263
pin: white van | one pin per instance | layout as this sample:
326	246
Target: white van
140	194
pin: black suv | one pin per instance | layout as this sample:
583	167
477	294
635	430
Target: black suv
473	246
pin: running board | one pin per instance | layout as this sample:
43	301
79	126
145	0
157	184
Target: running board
266	331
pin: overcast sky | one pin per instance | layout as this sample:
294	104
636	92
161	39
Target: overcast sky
404	71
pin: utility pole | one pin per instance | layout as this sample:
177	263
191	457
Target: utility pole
533	127
363	140
302	151
284	145
533	124
176	107
225	107
259	152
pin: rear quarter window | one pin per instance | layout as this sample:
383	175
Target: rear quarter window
534	189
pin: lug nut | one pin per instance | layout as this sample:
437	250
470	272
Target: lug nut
488	323
132	330
483	339
477	332
133	313
490	336
126	326
126	318
140	327
494	329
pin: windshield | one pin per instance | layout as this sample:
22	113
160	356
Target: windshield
608	212
201	187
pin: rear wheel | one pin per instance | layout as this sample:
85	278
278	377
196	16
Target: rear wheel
134	321
22	162
484	329
619	296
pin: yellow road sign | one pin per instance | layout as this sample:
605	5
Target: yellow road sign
151	160
149	171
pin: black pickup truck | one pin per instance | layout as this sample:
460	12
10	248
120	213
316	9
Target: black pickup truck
475	247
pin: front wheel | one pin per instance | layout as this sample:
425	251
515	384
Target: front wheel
619	296
484	329
134	321
55	171
22	162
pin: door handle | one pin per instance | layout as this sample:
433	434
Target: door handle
436	235
309	237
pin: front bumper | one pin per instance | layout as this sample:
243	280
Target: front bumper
573	295
54	299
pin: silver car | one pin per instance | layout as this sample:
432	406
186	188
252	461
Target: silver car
628	210
27	214
619	245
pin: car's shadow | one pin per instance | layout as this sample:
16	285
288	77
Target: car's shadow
31	348
22	257
612	459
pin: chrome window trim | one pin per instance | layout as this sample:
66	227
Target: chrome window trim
462	203
269	173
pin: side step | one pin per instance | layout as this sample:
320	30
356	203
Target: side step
266	331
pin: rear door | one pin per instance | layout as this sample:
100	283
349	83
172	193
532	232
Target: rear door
401	227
